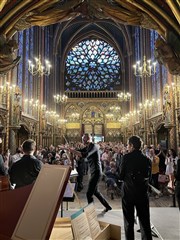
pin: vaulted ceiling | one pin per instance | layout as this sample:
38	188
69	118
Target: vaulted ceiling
160	15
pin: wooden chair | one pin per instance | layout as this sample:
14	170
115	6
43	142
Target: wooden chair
4	183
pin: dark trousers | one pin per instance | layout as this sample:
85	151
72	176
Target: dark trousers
155	182
93	190
142	208
80	170
177	193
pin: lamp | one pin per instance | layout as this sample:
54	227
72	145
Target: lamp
60	98
38	68
115	108
147	68
8	88
124	97
62	121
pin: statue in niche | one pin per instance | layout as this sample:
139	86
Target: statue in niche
43	122
17	110
141	118
167	105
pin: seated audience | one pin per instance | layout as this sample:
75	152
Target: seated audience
111	178
26	170
17	156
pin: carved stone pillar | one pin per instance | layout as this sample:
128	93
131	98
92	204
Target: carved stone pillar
169	127
13	134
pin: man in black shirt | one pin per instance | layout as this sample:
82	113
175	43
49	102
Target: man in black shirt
91	153
135	171
161	154
26	170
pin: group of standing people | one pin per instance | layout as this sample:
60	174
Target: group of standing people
134	169
164	163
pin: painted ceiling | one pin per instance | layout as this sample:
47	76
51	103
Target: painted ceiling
160	15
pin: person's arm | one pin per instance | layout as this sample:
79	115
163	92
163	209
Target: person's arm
150	170
159	153
164	155
75	152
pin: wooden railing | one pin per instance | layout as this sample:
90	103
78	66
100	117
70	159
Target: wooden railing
91	94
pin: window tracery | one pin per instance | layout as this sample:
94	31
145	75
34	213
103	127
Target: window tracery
92	65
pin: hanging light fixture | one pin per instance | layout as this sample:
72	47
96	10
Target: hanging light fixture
146	69
124	97
60	98
38	68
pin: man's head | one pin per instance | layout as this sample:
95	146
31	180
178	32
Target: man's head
29	146
151	152
135	142
86	138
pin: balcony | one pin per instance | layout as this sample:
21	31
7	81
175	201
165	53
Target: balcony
92	94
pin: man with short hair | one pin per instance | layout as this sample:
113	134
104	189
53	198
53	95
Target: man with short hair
135	171
91	153
26	170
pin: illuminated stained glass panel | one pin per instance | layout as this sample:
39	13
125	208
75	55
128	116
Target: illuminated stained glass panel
156	76
20	53
138	57
92	65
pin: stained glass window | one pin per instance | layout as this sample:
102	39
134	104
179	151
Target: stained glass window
26	64
156	76
25	42
30	55
160	70
164	75
137	57
20	53
92	65
47	56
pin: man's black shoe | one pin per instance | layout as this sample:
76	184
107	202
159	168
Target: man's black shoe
106	210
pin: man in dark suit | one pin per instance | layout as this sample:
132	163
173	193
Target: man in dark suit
135	171
92	154
26	170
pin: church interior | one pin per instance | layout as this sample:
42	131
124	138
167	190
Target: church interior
110	68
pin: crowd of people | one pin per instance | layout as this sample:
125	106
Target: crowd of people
164	162
139	168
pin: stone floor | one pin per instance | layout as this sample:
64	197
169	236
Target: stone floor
165	219
80	200
165	222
